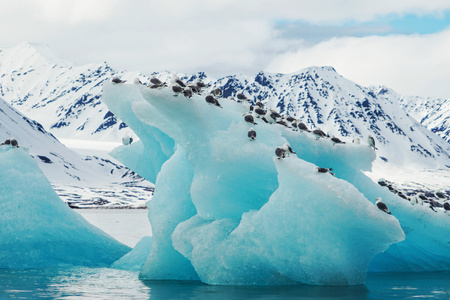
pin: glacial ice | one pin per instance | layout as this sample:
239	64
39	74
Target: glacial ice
226	211
37	229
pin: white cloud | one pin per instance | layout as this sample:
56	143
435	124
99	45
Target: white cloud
413	65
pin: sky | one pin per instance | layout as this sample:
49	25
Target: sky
402	44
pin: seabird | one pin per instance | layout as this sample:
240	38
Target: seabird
382	182
200	84
446	206
294	126
290	119
187	92
7	142
210	99
249	118
335	140
269	118
302	126
323	170
382	206
440	195
282	122
280	153
274	115
137	81
217	92
127	140
240	96
155	80
177	89
251	134
259	104
117	80
259	112
371	142
319	133
194	88
14	142
176	79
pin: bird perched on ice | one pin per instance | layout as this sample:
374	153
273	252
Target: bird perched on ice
447	206
335	140
216	92
319	133
251	134
241	97
249	118
177	89
127	140
187	92
371	142
302	126
117	80
382	206
323	170
176	80
280	153
11	141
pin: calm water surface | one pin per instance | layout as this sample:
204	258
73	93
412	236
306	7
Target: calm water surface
105	283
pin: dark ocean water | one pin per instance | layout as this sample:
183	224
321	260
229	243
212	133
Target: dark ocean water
106	283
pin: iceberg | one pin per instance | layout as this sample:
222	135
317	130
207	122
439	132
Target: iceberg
37	228
228	212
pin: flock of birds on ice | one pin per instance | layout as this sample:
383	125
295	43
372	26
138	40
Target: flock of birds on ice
258	111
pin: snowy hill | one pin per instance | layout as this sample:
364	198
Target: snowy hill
69	172
433	113
63	97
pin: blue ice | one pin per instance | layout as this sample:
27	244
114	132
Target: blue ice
226	211
37	229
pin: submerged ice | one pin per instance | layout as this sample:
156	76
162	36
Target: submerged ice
37	229
227	211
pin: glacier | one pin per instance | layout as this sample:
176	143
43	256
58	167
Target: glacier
37	228
228	212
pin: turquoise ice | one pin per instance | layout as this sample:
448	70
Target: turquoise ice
37	229
227	211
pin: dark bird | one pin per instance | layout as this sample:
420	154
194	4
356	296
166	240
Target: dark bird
290	119
251	134
7	142
176	79
335	140
274	115
446	206
155	80
216	103
200	84
217	92
440	195
259	104
259	112
117	80
382	182
319	133
249	118
382	206
240	96
302	126
177	89
323	170
14	142
280	153
210	99
187	92
371	142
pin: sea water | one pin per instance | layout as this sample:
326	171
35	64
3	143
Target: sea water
108	283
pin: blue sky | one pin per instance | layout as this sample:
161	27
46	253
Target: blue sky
371	42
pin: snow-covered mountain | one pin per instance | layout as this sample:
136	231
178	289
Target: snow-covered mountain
63	97
69	172
433	113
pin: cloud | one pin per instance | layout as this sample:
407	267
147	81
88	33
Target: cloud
410	64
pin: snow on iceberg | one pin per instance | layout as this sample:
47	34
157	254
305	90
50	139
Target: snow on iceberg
239	216
37	229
